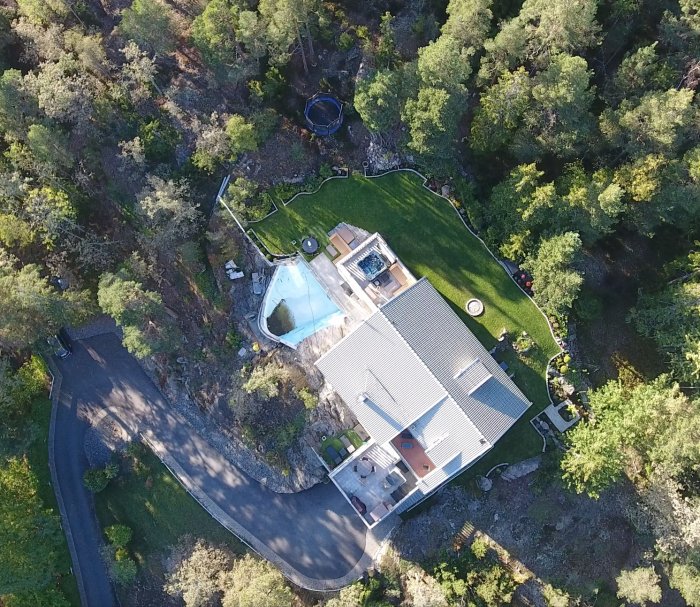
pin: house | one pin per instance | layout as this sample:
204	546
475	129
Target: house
430	396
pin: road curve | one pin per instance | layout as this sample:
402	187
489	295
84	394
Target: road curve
314	536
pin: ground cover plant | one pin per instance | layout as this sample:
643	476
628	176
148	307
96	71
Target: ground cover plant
150	501
428	235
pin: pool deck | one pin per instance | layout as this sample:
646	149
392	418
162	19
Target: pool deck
355	310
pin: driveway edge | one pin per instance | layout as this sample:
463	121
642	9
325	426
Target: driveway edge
65	524
372	545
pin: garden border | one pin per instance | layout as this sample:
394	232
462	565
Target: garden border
464	223
219	197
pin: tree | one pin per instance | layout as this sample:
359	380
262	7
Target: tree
555	283
386	45
43	11
47	210
500	111
287	21
213	145
241	134
229	38
149	23
639	586
521	209
378	100
641	71
253	582
645	430
559	119
17	104
659	123
64	91
432	123
138	72
542	29
469	21
139	312
19	388
168	214
49	148
685	578
30	535
196	578
31	307
444	63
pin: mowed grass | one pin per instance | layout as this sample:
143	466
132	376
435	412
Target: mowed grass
159	510
427	234
38	455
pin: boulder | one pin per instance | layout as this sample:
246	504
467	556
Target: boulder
485	484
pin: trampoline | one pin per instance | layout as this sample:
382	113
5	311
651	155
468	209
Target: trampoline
323	114
309	245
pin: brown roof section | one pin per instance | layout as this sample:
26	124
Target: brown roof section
414	454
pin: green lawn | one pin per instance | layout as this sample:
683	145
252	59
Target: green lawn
159	510
38	456
429	237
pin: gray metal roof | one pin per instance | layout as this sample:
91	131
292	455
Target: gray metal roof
445	431
414	364
380	378
446	346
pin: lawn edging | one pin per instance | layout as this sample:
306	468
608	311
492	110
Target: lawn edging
498	261
260	243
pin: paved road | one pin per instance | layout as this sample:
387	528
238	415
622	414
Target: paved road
315	532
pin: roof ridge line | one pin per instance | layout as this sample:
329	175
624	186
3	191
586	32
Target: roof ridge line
420	360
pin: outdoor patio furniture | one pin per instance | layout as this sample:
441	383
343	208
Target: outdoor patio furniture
332	251
257	283
504	365
379	513
407	445
347	444
359	504
333	455
346	234
343	453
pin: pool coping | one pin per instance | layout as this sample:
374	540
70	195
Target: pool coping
262	321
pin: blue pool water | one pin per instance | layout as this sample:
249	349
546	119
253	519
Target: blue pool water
295	305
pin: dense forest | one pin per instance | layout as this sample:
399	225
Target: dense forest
569	132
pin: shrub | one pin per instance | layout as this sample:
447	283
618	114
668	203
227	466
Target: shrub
265	380
97	479
309	399
345	42
479	548
234	340
563	369
118	535
124	571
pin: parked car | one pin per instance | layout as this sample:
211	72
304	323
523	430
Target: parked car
60	344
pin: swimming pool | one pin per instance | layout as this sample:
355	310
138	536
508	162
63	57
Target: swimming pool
295	305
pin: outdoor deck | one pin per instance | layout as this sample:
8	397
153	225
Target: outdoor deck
413	454
378	479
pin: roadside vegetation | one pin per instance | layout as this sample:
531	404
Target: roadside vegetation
35	566
145	513
566	132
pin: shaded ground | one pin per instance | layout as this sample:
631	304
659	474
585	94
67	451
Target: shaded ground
147	498
615	272
315	532
567	540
